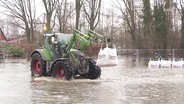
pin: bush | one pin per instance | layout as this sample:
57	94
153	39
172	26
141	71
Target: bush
16	51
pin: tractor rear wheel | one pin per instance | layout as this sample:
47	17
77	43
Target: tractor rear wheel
62	69
38	66
94	71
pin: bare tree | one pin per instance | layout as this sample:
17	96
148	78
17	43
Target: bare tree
92	11
78	5
182	23
23	10
59	13
169	21
147	23
63	14
178	14
50	6
129	16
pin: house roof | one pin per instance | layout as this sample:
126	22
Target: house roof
2	36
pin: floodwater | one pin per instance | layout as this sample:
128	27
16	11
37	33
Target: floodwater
123	84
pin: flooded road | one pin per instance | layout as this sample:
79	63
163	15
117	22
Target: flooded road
118	85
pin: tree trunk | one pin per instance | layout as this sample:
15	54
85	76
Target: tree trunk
78	9
182	28
94	17
147	20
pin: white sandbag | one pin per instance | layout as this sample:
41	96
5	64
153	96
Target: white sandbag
165	63
177	63
101	57
153	64
107	57
113	58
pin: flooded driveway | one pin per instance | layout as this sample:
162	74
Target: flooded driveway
122	84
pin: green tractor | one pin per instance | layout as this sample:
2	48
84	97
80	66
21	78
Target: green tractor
62	56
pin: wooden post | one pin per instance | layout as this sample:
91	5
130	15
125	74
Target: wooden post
137	56
173	53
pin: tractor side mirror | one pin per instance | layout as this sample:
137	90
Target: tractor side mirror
54	40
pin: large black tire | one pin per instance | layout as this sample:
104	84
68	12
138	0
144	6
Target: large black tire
38	65
63	69
94	71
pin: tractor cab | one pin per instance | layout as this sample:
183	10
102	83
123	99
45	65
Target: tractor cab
57	43
57	38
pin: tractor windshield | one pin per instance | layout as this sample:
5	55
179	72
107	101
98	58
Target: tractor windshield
63	38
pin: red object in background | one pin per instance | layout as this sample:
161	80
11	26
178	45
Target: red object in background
2	36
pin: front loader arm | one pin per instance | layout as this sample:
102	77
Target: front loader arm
83	40
93	35
77	36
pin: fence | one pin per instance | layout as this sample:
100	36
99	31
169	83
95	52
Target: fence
149	53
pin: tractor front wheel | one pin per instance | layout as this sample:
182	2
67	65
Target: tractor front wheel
38	67
62	69
94	71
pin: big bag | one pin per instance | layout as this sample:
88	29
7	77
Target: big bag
107	57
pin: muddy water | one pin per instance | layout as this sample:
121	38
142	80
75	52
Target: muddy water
123	84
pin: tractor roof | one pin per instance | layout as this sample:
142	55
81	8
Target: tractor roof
58	34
